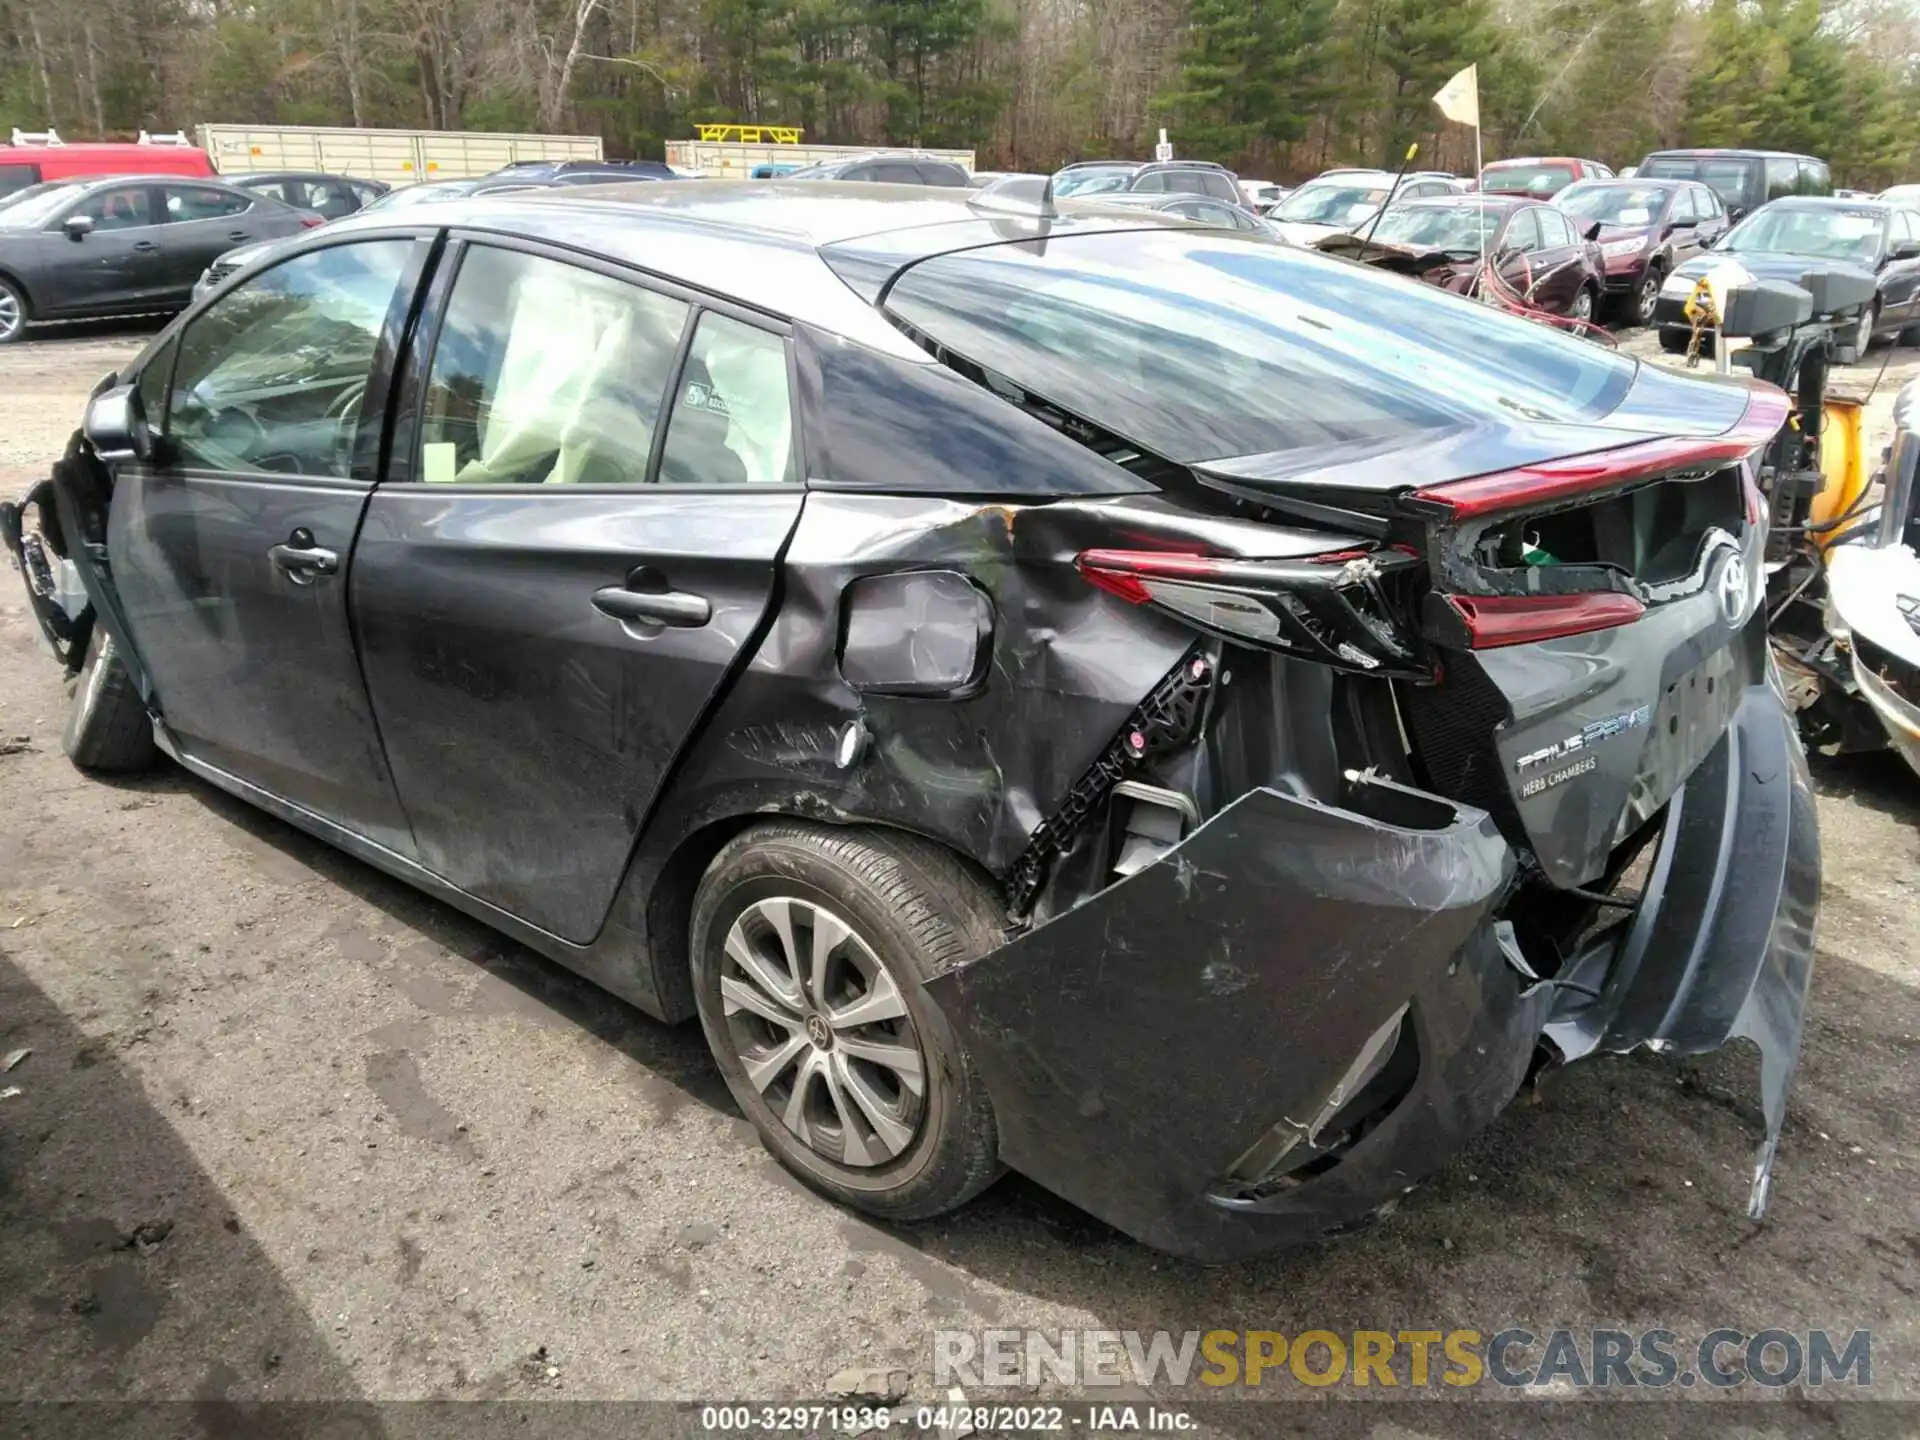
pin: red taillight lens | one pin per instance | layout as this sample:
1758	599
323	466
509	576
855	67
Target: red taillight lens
1554	481
1328	608
1492	621
312	222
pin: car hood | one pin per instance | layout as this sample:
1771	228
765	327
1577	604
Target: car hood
1764	264
1302	233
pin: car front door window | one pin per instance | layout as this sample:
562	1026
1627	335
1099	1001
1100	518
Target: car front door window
123	208
1523	233
197	202
545	373
273	376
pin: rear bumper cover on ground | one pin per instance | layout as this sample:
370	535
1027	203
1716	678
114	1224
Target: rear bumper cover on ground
1137	1047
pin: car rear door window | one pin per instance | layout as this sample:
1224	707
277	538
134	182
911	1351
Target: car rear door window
732	421
1218	186
1815	178
272	376
331	198
18	177
896	173
273	190
1154	182
124	207
938	172
546	373
1783	178
202	202
1731	180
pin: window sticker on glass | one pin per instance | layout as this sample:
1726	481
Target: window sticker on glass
439	462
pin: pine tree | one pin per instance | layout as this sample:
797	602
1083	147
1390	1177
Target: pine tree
1253	73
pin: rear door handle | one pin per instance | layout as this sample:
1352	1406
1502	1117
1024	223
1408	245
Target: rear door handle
238	235
302	559
658	607
145	245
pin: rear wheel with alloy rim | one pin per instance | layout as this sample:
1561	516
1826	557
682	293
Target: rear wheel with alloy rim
811	949
13	312
1583	306
1863	331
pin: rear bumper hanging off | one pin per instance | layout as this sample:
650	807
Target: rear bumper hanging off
1286	1021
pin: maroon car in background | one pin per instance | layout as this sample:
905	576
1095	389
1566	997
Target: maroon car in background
1539	176
1535	248
1645	229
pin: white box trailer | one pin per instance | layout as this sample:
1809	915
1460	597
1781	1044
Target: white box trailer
735	160
399	157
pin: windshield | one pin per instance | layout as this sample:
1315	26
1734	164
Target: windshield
35	206
1340	202
1830	233
1526	179
1195	346
1614	204
1452	227
1092	181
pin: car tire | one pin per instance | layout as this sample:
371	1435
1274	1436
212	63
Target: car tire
14	312
1910	336
896	911
1583	305
1646	299
108	728
1861	340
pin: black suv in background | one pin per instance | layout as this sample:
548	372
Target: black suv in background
1088	178
1745	179
909	167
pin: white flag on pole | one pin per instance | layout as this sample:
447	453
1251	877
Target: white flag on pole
1459	98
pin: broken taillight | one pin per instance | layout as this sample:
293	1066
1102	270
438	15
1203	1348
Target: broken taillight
1334	609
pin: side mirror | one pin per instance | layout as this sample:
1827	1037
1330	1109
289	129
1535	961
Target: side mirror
116	426
78	227
1905	250
1592	232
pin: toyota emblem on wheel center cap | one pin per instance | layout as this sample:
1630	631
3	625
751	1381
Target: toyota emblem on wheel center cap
818	1033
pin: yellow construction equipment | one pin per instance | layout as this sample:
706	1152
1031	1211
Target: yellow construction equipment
751	134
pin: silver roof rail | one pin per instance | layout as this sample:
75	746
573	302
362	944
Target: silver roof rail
175	137
48	136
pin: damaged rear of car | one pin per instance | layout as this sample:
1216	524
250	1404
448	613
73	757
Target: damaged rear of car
1192	720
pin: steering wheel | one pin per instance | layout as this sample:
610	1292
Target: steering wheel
345	408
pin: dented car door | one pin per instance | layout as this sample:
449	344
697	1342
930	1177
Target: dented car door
561	566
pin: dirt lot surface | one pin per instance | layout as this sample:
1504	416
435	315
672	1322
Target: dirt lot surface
291	1130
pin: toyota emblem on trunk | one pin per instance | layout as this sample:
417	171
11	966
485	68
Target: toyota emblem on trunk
1733	589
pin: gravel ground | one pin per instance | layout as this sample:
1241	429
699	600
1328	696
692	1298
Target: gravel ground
291	1130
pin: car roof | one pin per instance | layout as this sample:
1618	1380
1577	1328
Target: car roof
1762	154
1832	202
1639	182
1536	160
757	242
1471	199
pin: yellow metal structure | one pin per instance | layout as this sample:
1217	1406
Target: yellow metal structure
751	134
1844	463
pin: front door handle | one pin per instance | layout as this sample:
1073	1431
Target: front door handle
143	246
657	607
237	236
302	559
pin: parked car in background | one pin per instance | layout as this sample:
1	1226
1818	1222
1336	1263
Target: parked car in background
1531	245
1203	208
1262	193
329	195
434	192
869	763
1743	179
1646	228
1784	239
564	170
1539	177
125	246
1345	200
1091	178
982	178
889	167
773	170
1901	195
32	159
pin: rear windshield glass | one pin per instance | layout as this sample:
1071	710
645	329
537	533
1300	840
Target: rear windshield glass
1198	346
1527	179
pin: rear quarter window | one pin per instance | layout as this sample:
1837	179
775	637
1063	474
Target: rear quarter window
1197	347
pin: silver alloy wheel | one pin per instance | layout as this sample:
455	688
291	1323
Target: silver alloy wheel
1863	335
1649	298
1583	305
10	316
823	1032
